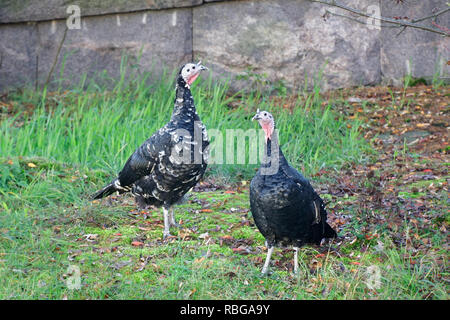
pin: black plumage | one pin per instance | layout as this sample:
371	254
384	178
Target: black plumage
284	205
168	164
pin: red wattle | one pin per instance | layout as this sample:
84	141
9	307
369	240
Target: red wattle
192	78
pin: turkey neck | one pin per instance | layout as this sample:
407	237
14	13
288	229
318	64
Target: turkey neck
273	152
184	107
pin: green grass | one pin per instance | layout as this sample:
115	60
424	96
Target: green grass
68	144
46	217
99	129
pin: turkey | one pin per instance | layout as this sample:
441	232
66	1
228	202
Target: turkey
285	207
168	164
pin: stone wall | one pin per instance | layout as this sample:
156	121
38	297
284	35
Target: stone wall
286	40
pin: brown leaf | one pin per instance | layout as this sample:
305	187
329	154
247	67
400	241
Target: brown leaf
192	292
144	228
242	250
199	260
137	244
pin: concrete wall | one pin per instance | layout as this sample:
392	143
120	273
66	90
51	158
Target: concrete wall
284	39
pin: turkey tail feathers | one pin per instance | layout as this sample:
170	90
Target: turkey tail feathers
106	191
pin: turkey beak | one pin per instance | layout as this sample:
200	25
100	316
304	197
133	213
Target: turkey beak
201	67
256	117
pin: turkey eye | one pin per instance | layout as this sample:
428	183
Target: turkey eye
265	114
193	67
188	70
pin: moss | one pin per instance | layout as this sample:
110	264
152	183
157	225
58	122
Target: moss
426	183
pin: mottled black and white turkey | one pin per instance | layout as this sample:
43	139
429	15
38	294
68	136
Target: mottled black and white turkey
168	164
285	207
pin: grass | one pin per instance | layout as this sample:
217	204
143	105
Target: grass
48	225
99	129
59	147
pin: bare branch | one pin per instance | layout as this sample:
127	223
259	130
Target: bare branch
56	57
401	23
437	14
445	29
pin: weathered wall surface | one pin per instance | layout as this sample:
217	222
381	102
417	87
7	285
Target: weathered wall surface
287	40
416	52
41	10
162	39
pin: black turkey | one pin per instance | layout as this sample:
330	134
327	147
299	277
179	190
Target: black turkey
285	207
168	164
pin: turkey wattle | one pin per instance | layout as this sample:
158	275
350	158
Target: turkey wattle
168	164
284	205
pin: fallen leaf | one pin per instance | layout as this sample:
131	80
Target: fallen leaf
192	292
137	244
144	228
90	237
199	260
204	235
242	250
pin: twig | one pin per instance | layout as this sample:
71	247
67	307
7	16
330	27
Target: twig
403	29
432	16
36	73
403	23
56	57
445	29
364	23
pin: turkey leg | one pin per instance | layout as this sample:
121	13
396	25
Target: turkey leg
295	260
166	232
266	264
172	220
